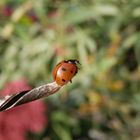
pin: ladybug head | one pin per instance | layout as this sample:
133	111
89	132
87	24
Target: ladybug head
74	61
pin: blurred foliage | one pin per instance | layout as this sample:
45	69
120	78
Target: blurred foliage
103	102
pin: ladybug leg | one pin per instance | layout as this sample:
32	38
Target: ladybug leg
71	81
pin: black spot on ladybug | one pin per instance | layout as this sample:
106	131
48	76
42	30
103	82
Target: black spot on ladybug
71	71
63	80
63	69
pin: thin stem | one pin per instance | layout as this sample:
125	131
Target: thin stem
23	97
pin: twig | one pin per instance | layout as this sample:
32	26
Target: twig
23	97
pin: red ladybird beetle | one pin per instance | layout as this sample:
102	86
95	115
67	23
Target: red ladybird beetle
65	71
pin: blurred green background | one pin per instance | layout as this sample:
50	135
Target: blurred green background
103	102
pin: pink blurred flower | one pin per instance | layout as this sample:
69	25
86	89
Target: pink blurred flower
14	123
7	11
32	16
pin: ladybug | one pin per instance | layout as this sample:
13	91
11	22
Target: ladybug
65	71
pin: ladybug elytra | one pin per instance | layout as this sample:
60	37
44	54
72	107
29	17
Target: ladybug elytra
65	71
